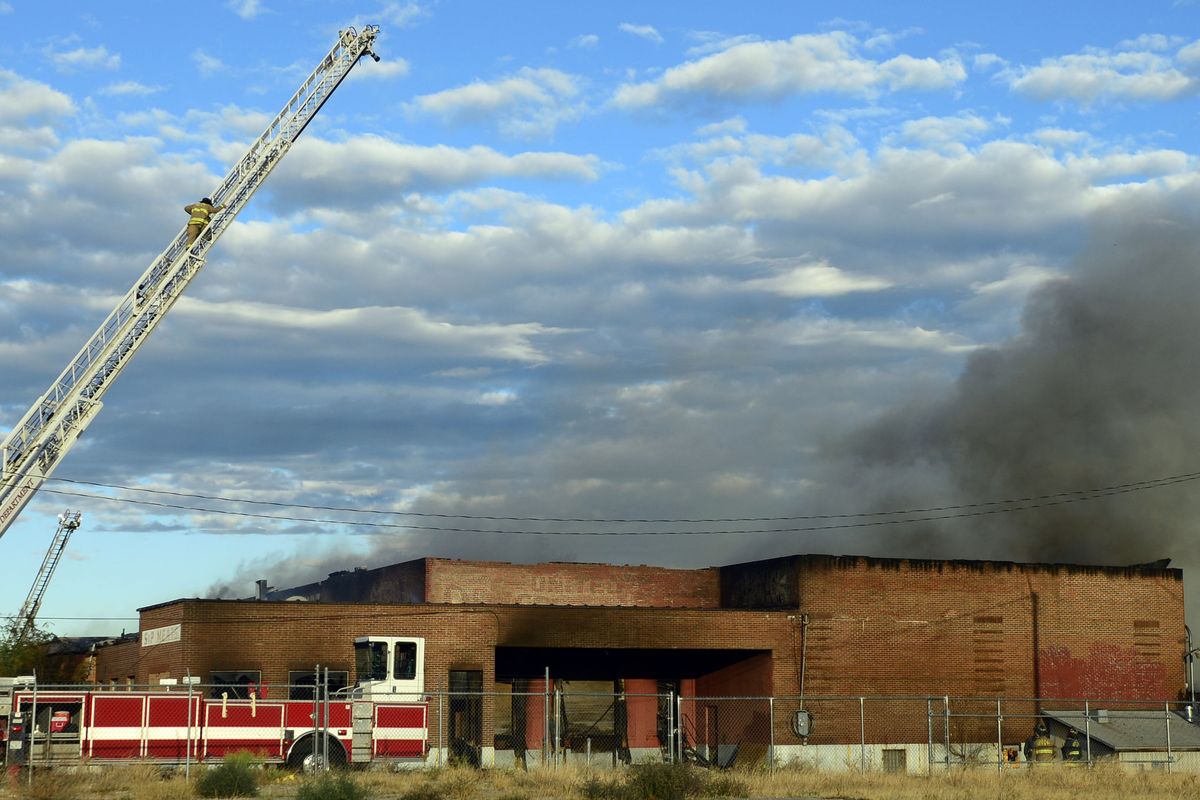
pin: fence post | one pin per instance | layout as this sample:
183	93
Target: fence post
946	716
316	712
187	747
325	721
31	729
1167	719
441	725
929	723
999	739
862	735
679	724
669	756
771	745
1087	730
558	754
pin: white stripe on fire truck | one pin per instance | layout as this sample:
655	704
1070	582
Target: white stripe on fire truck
155	734
225	734
399	733
108	734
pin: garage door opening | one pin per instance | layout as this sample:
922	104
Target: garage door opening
615	705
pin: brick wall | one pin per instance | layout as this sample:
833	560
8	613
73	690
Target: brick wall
861	626
883	626
570	584
987	629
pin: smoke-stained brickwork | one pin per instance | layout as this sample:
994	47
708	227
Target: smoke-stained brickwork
562	584
859	627
991	628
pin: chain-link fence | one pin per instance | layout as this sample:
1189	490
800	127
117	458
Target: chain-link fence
316	722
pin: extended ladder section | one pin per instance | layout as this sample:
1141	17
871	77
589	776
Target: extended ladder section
36	445
68	523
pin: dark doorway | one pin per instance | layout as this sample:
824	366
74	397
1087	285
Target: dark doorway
466	716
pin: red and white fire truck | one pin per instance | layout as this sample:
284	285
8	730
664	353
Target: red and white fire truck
383	717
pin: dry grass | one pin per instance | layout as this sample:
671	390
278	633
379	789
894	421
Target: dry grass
1102	783
131	782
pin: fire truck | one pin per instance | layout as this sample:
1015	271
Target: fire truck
383	718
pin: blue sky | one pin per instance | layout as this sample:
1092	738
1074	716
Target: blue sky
618	260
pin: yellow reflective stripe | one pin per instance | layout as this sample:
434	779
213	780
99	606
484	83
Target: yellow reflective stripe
198	221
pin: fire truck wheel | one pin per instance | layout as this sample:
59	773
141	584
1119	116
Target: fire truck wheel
305	756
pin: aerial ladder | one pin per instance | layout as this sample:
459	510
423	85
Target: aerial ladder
68	523
43	437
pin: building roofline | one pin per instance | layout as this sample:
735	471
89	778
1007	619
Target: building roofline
1158	568
1155	568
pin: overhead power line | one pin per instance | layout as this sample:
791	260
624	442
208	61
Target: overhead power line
871	519
1096	491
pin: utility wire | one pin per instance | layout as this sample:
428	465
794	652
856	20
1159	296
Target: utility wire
1086	493
978	511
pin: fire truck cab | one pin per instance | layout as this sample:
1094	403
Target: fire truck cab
389	668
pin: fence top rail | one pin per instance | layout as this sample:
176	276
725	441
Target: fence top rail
276	691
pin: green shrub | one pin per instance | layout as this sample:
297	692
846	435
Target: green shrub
665	782
235	777
332	786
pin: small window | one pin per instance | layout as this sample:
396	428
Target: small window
894	761
406	661
301	683
237	683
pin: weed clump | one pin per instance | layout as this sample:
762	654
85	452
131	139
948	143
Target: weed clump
234	777
50	785
661	782
332	786
424	791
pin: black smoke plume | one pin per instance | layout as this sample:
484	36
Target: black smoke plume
1101	387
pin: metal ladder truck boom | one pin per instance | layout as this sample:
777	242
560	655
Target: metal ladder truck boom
35	446
68	523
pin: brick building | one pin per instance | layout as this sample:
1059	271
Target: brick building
808	625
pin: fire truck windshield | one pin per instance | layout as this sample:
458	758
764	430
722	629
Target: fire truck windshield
371	661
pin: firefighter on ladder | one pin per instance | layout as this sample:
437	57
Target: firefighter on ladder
201	213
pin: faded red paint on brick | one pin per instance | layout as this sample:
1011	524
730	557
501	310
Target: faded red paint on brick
874	627
561	584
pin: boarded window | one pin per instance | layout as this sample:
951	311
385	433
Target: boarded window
894	761
238	684
301	683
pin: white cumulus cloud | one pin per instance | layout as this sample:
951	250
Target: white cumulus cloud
528	102
804	64
1138	71
647	32
85	58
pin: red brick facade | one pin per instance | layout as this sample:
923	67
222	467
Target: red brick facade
560	584
844	627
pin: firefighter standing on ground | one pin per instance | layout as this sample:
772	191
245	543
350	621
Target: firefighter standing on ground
1072	749
1039	748
201	213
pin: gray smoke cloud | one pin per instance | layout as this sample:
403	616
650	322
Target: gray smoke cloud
1099	388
